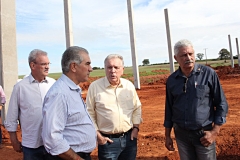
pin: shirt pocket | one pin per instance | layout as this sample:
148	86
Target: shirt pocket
127	101
202	91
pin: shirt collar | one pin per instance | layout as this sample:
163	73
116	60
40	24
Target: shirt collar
32	80
197	68
70	83
107	84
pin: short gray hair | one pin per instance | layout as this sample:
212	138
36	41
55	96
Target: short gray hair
34	54
182	43
111	56
70	55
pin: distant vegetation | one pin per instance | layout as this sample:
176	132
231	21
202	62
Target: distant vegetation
152	69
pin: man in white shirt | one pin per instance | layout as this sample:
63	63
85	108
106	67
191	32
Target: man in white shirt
26	106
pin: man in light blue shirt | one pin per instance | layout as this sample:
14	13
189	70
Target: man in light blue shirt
68	132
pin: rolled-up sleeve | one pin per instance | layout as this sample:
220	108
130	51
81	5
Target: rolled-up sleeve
219	101
11	122
168	108
137	113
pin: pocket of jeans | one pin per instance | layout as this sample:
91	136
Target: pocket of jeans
135	139
175	127
201	133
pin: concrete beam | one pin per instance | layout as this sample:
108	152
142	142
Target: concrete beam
8	49
68	23
133	48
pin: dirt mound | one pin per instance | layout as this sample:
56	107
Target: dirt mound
227	72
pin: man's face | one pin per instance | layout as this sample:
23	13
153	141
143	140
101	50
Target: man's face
114	70
40	67
84	68
185	58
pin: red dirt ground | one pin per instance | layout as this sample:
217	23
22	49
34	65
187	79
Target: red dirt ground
151	135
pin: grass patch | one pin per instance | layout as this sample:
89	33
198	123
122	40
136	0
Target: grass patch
149	70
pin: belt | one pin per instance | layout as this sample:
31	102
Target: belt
83	155
116	135
205	128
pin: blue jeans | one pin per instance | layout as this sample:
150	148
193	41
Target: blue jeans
190	147
122	148
34	153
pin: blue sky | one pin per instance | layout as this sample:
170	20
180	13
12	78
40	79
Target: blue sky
102	28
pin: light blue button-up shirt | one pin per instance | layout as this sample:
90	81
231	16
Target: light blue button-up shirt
66	122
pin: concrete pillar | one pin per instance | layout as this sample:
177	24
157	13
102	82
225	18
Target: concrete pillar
8	50
133	49
206	54
172	66
68	23
231	54
238	52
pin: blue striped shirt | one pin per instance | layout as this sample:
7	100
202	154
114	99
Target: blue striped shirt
66	122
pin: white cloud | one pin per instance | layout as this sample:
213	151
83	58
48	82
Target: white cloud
102	27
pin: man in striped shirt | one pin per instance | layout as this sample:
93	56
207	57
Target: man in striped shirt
68	132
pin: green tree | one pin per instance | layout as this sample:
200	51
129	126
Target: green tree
146	62
224	54
95	68
200	56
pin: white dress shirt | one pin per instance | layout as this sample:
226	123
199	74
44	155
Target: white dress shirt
26	105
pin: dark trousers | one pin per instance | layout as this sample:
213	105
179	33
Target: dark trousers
34	153
85	156
122	148
190	147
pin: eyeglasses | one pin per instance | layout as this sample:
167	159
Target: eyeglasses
185	85
43	64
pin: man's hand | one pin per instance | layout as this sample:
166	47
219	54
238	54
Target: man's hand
102	140
17	146
210	136
70	155
169	144
134	133
168	140
15	143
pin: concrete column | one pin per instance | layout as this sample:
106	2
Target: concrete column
133	49
68	23
8	50
238	52
172	66
231	54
